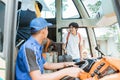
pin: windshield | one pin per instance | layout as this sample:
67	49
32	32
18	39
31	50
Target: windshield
92	7
108	40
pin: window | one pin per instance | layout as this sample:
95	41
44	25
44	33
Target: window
48	10
92	7
69	10
2	61
108	40
2	14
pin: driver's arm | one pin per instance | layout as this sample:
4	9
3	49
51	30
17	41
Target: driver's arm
36	75
54	66
73	72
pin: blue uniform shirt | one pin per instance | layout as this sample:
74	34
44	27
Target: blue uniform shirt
29	58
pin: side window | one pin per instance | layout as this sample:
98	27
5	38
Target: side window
2	14
108	40
48	10
2	61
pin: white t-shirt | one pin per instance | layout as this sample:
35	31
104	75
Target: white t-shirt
72	45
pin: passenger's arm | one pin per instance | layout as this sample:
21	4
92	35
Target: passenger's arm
81	48
64	43
64	47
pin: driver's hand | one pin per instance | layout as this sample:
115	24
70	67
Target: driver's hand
70	64
74	71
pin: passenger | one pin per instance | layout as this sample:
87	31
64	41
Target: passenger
30	63
73	42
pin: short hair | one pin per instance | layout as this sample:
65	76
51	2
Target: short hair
74	24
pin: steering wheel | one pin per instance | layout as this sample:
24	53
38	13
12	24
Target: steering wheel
82	64
86	64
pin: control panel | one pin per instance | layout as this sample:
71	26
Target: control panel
102	68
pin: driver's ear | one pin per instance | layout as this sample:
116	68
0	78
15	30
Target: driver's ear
43	31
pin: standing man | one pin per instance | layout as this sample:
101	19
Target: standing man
30	63
73	43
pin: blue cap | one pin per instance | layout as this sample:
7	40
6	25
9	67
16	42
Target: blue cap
38	24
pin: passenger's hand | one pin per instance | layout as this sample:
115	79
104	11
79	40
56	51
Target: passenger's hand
65	51
74	71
